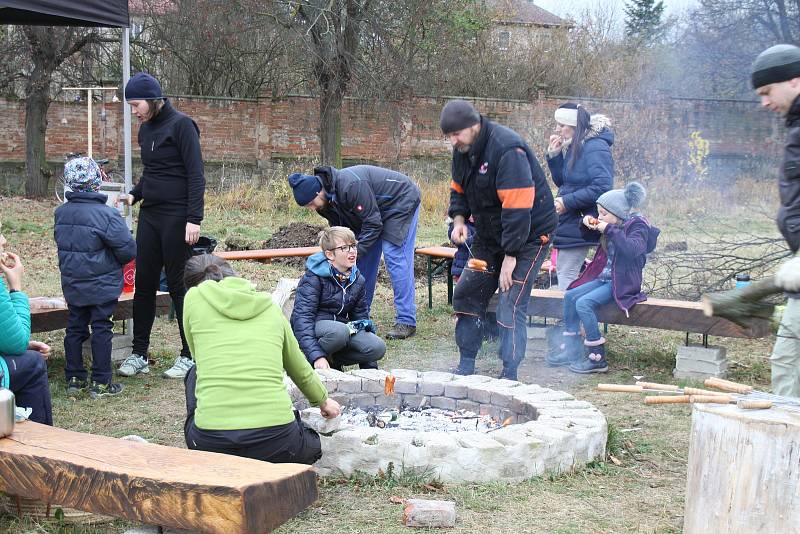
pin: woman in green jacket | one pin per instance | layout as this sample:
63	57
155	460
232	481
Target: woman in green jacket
22	361
236	400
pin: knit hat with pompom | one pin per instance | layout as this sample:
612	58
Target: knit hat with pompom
622	202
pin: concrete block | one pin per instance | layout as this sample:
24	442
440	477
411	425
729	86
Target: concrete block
405	386
362	400
698	376
699	366
478	394
469	405
429	514
455	390
121	347
436	376
349	384
426	387
413	401
371	379
313	418
701	353
443	403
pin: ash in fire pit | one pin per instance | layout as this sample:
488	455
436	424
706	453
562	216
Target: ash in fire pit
452	426
424	419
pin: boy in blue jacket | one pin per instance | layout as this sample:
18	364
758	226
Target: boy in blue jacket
330	318
93	245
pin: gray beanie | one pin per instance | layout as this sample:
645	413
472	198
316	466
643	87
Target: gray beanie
776	64
620	202
457	115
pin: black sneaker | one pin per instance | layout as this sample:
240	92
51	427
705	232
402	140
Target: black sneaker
105	390
401	331
75	386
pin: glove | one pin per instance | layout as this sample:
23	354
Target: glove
788	276
362	324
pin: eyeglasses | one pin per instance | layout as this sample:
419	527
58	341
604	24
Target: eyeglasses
346	248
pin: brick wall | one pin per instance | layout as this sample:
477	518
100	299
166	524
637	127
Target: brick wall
652	136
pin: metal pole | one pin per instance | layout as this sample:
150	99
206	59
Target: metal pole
89	121
126	117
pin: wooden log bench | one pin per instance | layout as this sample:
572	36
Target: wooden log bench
664	314
153	484
52	318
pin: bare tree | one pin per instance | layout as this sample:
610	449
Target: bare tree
47	49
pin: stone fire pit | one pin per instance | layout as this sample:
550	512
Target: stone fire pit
549	430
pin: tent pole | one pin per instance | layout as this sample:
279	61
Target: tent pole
126	129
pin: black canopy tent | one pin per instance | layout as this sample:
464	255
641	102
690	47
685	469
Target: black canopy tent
95	13
107	13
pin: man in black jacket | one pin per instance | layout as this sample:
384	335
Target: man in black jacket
497	181
381	207
776	79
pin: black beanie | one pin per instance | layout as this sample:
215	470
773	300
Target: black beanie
457	115
142	86
776	64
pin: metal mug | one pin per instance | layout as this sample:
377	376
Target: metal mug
7	409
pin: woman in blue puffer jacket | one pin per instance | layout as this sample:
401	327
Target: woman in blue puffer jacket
580	161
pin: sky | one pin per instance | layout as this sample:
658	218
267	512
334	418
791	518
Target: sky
573	7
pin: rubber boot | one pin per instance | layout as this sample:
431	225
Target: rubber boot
466	366
571	351
595	360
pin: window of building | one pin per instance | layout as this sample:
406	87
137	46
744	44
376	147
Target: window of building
504	40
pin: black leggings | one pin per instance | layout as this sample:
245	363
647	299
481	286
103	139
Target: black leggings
160	242
290	443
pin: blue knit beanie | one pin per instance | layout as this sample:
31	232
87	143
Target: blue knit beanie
621	202
305	187
82	174
142	86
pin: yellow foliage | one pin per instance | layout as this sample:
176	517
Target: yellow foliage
699	149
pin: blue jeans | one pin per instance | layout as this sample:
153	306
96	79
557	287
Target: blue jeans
79	319
400	264
580	304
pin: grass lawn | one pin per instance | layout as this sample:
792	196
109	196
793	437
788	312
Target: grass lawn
642	491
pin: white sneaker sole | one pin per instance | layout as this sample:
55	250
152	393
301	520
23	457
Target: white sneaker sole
144	371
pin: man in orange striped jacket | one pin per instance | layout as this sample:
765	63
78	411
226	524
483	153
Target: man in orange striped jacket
497	181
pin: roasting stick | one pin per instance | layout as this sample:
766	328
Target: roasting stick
747	391
674	395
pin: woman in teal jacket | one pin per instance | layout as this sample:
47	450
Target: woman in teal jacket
22	361
235	396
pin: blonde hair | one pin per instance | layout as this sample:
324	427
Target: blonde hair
327	237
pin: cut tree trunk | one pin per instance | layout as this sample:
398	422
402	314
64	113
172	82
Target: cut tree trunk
743	471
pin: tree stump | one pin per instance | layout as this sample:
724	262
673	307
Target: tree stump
744	471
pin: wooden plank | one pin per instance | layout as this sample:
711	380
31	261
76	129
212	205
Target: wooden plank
267	254
153	484
679	315
437	252
46	320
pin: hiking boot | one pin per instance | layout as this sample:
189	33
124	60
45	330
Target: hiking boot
98	391
401	331
75	386
466	366
571	351
133	365
595	361
179	368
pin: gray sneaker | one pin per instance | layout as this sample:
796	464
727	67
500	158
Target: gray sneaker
401	331
132	365
179	368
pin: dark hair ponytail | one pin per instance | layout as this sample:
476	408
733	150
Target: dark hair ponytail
582	128
205	267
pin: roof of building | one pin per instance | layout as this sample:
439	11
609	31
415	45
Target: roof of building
523	12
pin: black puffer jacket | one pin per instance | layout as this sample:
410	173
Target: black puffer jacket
789	213
321	297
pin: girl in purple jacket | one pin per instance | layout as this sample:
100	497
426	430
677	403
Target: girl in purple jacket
614	275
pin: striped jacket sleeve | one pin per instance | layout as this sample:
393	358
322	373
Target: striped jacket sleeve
515	190
15	321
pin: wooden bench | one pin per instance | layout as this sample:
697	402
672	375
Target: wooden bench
153	484
47	319
664	314
266	255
